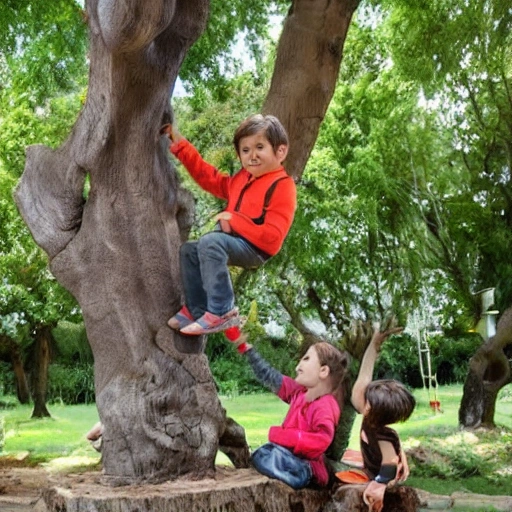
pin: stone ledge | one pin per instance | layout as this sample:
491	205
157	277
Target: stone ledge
463	501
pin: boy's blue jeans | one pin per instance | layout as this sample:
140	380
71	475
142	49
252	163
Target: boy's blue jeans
205	274
277	462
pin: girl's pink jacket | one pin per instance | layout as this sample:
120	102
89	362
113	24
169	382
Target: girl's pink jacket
308	428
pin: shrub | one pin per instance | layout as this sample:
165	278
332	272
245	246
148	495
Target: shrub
450	356
71	385
72	344
233	373
8	401
449	359
2	434
399	360
7	383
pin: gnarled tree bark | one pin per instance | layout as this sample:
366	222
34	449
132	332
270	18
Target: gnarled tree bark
307	66
489	371
116	250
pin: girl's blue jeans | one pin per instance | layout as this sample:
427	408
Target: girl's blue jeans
277	462
205	273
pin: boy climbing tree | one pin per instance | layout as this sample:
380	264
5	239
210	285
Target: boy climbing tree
261	203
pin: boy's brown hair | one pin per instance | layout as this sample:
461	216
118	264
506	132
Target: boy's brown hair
271	126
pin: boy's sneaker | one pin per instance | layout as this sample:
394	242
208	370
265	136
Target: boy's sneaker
181	319
210	323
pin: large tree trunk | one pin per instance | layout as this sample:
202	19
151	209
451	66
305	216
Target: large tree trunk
489	371
233	491
307	66
43	337
117	250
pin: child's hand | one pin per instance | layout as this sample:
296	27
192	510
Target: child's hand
373	496
379	336
242	341
223	219
166	129
171	132
234	335
403	467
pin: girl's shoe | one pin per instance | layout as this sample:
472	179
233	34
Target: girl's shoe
210	323
181	319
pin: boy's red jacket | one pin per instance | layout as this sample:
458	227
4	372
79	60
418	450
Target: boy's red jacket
245	196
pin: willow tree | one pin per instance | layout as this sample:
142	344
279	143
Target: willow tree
114	243
460	54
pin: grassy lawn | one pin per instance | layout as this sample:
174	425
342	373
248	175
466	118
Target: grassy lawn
443	459
453	460
58	441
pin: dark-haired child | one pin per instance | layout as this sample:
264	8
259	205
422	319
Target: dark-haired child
382	403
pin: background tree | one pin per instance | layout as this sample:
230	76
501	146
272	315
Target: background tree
463	65
306	69
41	63
414	174
42	60
418	145
489	371
390	200
31	304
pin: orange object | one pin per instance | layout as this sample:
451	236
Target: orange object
435	405
352	476
352	458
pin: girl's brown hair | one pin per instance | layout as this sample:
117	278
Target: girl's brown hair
390	402
338	362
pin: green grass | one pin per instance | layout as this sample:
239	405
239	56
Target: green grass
256	413
443	459
58	441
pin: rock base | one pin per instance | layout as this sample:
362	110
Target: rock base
231	490
241	490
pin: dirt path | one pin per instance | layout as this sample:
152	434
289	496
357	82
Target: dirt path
20	488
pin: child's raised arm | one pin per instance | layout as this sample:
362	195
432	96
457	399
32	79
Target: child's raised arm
365	375
263	371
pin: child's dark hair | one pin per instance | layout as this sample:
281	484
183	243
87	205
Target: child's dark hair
338	362
390	402
271	126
